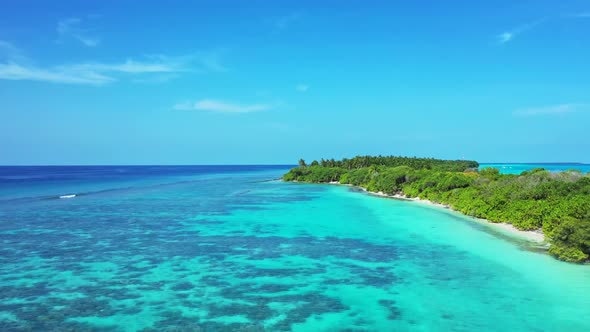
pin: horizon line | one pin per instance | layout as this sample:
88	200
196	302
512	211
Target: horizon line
280	164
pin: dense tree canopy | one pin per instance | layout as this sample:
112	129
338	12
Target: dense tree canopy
557	203
391	161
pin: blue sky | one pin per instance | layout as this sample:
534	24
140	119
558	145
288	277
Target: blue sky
250	82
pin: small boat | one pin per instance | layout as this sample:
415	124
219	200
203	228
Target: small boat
67	196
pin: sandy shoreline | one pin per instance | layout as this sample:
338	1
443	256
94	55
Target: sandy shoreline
533	236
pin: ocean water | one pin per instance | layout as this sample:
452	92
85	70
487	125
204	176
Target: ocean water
508	168
225	249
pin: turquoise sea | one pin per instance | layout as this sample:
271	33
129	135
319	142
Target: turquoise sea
225	248
512	168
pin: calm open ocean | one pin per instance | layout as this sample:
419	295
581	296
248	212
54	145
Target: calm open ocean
222	248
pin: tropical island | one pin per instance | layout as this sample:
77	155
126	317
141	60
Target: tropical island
556	203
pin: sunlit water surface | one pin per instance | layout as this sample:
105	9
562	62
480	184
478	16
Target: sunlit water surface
222	249
508	168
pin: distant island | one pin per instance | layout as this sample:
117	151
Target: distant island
556	203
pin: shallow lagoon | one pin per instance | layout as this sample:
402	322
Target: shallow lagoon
517	168
228	251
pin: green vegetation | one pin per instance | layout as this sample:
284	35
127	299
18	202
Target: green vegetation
557	203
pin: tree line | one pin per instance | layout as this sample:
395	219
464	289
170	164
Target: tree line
394	161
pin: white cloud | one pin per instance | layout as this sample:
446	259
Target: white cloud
507	36
510	35
552	110
221	106
85	73
129	67
12	71
302	87
72	28
15	66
